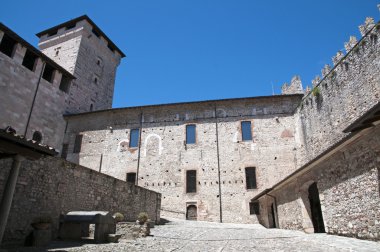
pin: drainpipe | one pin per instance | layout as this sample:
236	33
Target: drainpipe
6	201
218	158
139	151
34	98
275	208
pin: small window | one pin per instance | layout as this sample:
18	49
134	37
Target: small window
7	45
71	26
52	33
246	131
37	136
78	143
99	61
190	134
96	80
48	73
111	48
131	177
191	181
96	33
254	208
65	84
134	138
250	176
29	60
65	148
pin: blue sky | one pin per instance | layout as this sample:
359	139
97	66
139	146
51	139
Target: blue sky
195	50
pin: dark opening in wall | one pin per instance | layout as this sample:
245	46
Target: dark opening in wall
48	73
52	33
91	107
131	177
29	60
191	181
254	208
65	148
96	33
37	136
250	176
65	84
111	48
8	45
134	138
78	143
71	26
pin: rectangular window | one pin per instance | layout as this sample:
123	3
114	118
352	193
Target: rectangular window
246	131
78	143
48	73
134	138
254	208
7	45
65	147
191	181
131	177
65	84
190	134
250	177
71	26
29	60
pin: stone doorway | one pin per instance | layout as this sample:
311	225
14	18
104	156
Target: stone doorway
191	212
272	217
315	207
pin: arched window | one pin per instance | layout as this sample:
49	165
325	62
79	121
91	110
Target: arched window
37	136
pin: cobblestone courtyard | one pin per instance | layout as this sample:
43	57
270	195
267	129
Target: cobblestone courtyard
180	235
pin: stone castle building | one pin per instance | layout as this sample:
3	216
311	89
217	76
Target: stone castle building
300	160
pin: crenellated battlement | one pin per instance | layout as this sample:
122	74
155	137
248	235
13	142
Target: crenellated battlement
345	91
295	86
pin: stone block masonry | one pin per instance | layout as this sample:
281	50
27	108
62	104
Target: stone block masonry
53	186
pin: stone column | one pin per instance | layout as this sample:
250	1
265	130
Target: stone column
6	201
19	54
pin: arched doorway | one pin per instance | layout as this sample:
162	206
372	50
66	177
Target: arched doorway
191	212
315	207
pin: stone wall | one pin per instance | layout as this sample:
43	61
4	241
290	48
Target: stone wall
18	86
53	186
346	92
165	157
349	190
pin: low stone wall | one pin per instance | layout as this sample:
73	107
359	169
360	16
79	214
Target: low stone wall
52	186
349	191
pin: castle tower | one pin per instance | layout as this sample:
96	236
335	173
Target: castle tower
85	51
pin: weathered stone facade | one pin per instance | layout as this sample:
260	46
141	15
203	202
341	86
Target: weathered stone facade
54	186
165	157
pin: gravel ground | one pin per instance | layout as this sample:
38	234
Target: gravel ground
180	235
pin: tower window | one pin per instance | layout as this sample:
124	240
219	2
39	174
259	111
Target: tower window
91	107
78	143
254	208
246	131
52	33
134	138
96	80
250	177
71	26
7	45
131	177
191	181
29	60
37	136
65	84
190	134
48	73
